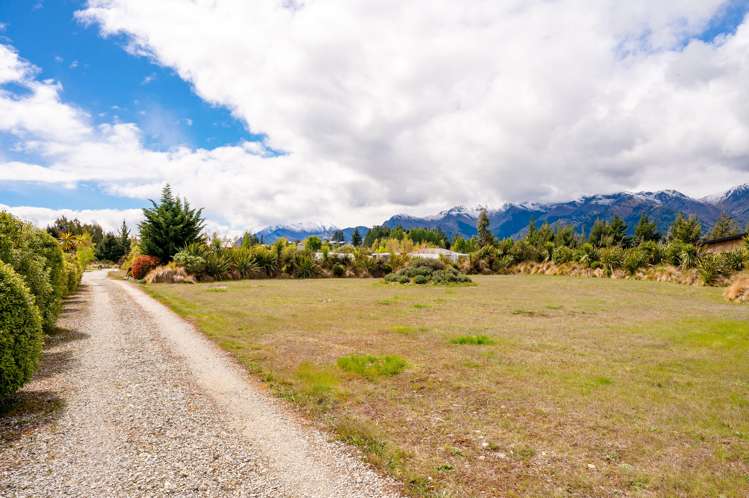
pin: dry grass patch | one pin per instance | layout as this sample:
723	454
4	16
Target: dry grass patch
623	388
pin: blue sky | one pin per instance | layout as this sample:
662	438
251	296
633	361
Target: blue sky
101	78
413	108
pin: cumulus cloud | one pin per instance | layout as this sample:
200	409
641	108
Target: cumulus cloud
109	219
390	106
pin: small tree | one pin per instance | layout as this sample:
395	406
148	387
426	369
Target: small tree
600	234
618	231
724	227
313	244
338	236
482	227
686	230
124	237
356	238
169	226
110	248
249	240
646	230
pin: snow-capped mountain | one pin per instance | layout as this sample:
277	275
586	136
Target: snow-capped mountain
300	231
511	220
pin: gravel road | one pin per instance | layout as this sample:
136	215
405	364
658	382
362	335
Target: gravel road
131	401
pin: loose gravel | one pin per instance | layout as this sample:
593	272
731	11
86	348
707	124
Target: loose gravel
132	401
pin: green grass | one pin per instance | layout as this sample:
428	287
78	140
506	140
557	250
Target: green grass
475	340
648	382
370	366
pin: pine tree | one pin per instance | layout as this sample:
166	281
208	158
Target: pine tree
356	238
482	227
338	236
646	230
724	227
169	226
599	233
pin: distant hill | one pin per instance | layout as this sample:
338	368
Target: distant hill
300	232
511	220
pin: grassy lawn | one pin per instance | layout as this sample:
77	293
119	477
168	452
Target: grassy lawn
519	385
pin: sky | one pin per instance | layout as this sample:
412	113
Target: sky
345	112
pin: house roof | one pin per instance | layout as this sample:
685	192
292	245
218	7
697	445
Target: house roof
738	236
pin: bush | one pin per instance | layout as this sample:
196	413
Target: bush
562	254
194	265
142	265
738	291
48	248
652	252
20	332
634	259
338	270
243	261
20	250
473	340
612	258
421	279
709	268
72	275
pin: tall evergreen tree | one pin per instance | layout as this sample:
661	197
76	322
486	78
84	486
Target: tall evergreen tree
618	231
599	234
686	230
169	226
646	230
356	238
338	236
124	237
484	232
724	227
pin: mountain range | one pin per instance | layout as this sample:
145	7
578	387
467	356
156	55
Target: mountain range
511	220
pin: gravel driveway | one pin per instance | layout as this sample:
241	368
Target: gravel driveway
131	400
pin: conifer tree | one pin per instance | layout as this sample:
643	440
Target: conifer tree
482	227
169	226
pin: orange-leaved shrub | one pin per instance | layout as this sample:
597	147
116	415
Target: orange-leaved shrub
142	265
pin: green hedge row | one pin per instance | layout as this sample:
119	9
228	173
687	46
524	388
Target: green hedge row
35	275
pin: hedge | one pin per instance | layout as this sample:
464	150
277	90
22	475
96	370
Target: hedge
19	249
21	334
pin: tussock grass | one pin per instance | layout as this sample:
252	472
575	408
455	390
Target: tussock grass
474	340
370	366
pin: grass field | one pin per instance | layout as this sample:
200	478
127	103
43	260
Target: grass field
519	385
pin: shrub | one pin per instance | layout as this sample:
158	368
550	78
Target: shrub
339	270
73	274
652	252
370	366
128	262
243	260
562	254
305	267
733	261
217	264
49	249
142	265
18	249
266	259
421	279
20	332
709	268
193	264
634	259
612	258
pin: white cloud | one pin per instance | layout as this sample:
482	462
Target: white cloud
109	219
390	106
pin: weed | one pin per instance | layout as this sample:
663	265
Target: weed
407	329
474	340
370	366
420	306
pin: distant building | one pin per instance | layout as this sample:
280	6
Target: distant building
724	244
437	253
